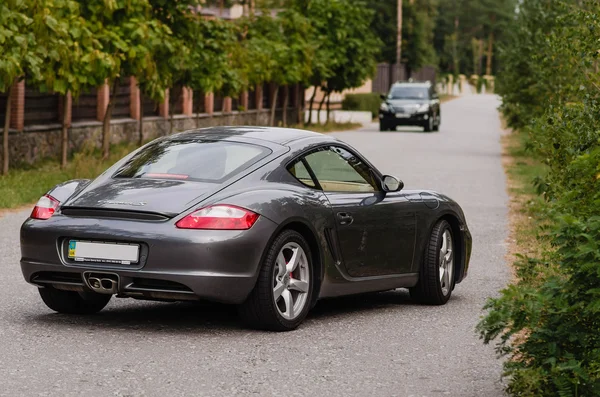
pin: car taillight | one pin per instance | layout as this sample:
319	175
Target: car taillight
219	217
45	207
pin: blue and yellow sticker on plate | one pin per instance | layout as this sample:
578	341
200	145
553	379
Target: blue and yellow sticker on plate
72	245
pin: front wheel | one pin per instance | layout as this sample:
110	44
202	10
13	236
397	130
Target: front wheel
436	278
438	122
73	302
428	125
283	292
383	126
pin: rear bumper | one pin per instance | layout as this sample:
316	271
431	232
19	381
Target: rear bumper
220	266
163	285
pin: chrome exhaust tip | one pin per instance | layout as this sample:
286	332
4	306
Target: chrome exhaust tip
102	283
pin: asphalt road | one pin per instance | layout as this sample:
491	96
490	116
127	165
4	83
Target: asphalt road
378	345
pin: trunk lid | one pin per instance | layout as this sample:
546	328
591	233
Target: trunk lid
166	197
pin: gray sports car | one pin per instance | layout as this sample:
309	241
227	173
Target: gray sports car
269	219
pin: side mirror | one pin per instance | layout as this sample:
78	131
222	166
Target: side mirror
383	97
391	184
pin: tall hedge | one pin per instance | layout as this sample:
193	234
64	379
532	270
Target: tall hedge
548	322
369	102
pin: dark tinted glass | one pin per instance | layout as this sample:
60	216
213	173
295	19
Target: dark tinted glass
196	160
408	92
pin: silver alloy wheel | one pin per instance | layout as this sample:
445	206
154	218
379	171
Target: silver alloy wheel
291	281
446	263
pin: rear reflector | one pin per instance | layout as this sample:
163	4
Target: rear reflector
219	217
45	207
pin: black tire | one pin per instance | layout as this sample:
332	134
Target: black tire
383	126
259	310
429	288
73	302
437	123
428	124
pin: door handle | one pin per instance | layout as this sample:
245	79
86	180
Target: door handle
344	218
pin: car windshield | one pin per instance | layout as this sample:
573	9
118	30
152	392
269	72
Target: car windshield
195	160
407	92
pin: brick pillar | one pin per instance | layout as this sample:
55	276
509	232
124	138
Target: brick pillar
187	98
65	105
163	108
227	103
259	97
134	99
244	100
209	103
17	108
103	98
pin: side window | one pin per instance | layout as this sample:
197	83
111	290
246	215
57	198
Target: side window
338	170
299	171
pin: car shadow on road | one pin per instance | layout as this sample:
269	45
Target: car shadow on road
201	317
370	302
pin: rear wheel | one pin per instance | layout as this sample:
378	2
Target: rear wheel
73	302
283	292
436	279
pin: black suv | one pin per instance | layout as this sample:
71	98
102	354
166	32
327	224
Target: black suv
410	104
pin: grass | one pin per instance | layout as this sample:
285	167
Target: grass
26	185
329	127
526	207
446	97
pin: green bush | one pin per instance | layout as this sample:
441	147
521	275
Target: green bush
548	322
365	102
480	84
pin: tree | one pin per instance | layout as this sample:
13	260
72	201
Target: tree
356	49
217	62
20	55
385	26
417	34
546	321
460	22
203	53
409	39
499	14
329	21
127	30
261	49
291	52
74	60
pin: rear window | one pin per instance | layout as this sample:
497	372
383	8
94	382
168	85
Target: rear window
195	160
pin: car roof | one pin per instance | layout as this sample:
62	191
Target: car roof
280	136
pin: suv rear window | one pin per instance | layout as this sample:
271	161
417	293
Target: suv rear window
195	160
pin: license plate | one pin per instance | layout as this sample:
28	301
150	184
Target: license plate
85	251
402	115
